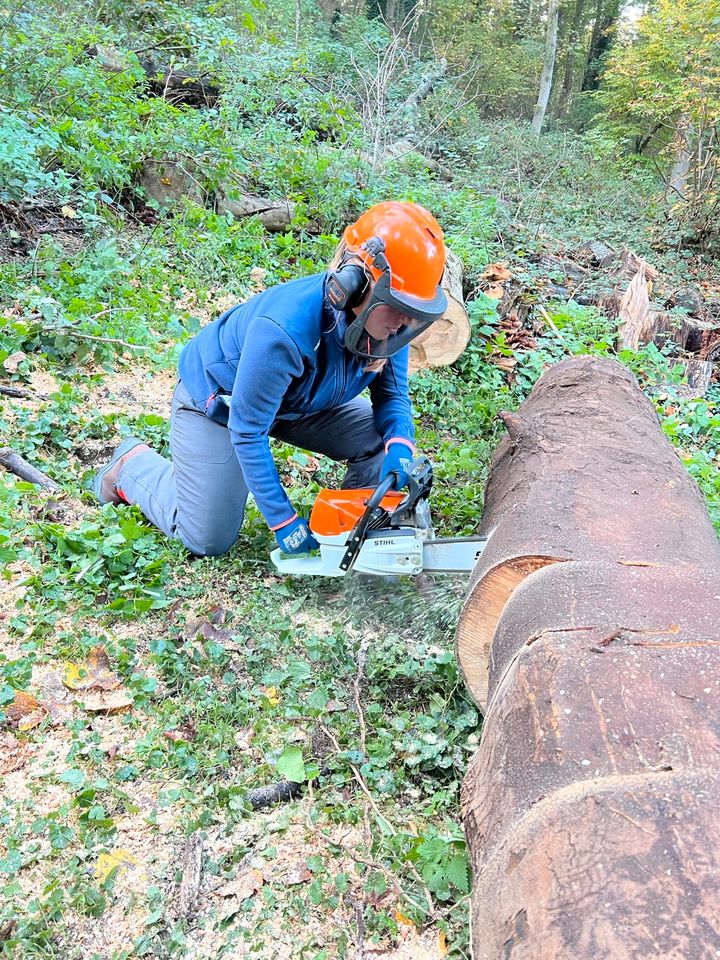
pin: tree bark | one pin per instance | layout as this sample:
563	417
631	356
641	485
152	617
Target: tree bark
590	807
275	215
18	465
584	474
546	76
677	188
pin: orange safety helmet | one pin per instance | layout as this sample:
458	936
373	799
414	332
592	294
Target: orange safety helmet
414	246
398	245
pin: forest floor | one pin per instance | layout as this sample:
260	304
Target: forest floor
147	693
149	723
144	694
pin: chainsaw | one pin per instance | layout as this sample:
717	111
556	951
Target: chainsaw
382	532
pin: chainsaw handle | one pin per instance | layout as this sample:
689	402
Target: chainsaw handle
373	509
383	488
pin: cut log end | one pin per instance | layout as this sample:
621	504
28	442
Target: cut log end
480	615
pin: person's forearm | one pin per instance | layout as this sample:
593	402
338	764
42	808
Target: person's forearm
262	479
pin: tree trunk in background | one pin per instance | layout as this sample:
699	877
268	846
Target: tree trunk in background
678	182
548	67
567	89
603	33
522	11
590	808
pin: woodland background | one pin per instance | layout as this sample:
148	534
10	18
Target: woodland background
160	161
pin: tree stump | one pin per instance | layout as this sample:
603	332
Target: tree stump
590	636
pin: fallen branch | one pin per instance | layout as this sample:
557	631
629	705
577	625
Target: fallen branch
359	906
70	329
15	392
280	792
357	684
18	465
90	336
191	874
360	780
551	323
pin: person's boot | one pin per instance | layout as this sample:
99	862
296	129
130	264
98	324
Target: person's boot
105	483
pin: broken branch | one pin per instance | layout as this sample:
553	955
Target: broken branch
18	465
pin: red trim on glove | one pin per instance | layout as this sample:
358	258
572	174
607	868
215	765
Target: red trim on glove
404	440
279	526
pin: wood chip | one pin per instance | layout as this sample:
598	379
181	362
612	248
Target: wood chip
243	886
13	753
107	701
298	874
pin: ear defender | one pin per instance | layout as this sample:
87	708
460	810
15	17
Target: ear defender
347	285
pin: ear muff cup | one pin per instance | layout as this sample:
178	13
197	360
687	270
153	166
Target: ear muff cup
346	286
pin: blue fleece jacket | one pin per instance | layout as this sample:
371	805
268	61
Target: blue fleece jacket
281	356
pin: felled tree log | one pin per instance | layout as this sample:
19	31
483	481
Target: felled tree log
275	215
590	635
179	86
194	89
584	474
410	120
446	339
167	181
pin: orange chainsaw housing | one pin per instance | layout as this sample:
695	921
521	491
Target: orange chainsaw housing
337	511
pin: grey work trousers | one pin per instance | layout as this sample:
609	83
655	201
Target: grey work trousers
199	496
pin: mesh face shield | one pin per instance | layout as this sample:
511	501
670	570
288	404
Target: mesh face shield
417	316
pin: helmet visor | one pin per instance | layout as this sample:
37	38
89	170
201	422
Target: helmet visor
411	317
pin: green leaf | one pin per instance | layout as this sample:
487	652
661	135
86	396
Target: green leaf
291	765
74	777
299	670
11	863
458	874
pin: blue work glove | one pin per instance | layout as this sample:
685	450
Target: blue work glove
296	537
398	458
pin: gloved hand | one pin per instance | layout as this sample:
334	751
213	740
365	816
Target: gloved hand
398	458
296	537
